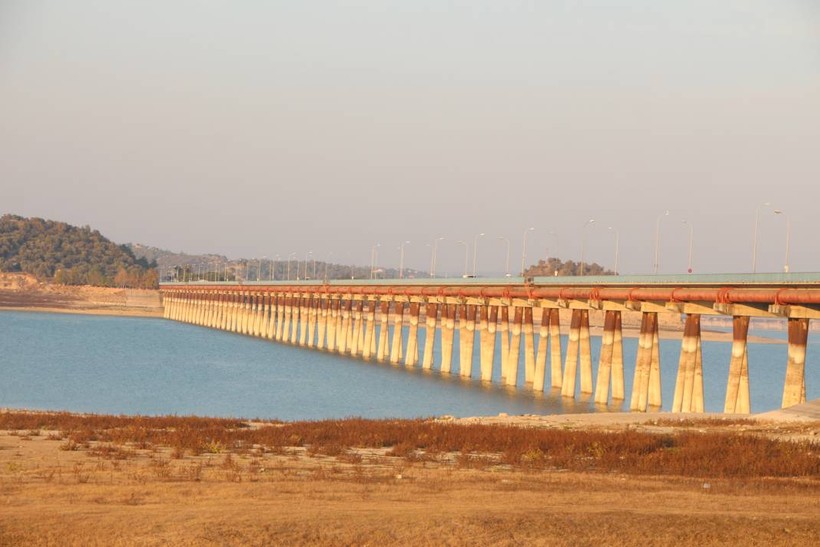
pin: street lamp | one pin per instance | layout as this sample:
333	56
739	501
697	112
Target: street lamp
465	256
307	256
617	246
434	256
524	248
788	236
691	238
584	242
656	264
373	255
475	249
290	256
754	237
507	262
401	258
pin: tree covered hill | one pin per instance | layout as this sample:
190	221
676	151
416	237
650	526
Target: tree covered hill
61	253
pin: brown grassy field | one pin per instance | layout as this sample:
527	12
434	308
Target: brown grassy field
101	480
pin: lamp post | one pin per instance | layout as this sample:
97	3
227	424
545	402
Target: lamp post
524	249
434	256
754	237
273	268
617	246
475	249
401	258
307	257
788	237
691	239
507	262
656	263
290	256
465	256
373	255
584	243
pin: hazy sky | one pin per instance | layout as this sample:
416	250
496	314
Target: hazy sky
260	128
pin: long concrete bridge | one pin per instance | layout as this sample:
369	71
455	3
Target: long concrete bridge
379	320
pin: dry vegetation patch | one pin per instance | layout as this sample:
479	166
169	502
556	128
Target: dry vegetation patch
85	480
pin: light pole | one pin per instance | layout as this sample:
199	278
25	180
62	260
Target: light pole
401	258
617	246
373	255
524	248
507	262
465	256
434	256
691	239
291	255
273	268
754	237
656	263
584	242
788	237
307	257
475	249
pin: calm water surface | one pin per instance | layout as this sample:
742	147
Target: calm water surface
155	366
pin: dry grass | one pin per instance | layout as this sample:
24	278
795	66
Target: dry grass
686	453
101	480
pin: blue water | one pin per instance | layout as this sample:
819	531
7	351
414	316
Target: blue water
154	366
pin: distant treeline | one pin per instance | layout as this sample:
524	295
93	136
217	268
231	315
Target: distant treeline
65	254
555	266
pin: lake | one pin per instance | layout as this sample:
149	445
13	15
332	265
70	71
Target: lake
125	365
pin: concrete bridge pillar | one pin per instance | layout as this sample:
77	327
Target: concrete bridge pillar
384	331
342	324
737	387
605	372
585	354
430	321
321	323
448	323
571	364
794	387
646	384
369	348
515	348
332	323
689	383
313	303
288	317
398	322
304	316
357	328
504	331
485	357
529	347
466	340
411	357
540	372
270	316
556	376
255	318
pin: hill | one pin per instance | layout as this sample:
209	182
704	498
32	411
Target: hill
70	255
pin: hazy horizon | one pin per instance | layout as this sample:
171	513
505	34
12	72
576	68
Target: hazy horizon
257	129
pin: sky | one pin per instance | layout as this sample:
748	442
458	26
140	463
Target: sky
284	128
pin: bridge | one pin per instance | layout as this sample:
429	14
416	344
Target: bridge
379	320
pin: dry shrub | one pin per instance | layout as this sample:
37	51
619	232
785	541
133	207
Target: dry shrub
713	454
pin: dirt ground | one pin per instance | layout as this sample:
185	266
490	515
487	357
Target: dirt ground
24	292
52	494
